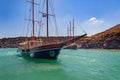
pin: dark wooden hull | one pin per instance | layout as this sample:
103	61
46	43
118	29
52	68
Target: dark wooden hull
43	54
48	51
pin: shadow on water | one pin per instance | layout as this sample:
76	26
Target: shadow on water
40	68
37	60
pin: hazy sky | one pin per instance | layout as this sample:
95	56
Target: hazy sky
92	15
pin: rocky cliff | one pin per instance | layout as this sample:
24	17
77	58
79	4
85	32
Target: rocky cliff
109	39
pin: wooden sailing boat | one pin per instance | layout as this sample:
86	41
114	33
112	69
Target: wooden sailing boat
36	48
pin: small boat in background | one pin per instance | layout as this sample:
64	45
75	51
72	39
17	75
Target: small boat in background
71	46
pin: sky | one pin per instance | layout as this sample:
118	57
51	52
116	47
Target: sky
92	15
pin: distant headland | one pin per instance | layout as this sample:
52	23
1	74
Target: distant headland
108	39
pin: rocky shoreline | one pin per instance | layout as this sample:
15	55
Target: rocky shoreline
14	42
109	39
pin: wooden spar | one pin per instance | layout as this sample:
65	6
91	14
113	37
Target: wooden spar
73	39
33	23
47	18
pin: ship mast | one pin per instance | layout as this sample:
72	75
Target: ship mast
73	27
33	22
47	15
70	28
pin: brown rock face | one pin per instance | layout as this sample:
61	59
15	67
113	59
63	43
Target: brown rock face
109	39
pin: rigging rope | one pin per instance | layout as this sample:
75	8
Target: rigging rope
81	27
52	9
29	17
40	19
24	21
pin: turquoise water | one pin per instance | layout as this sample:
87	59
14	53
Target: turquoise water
81	64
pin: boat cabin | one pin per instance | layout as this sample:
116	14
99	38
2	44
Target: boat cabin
30	44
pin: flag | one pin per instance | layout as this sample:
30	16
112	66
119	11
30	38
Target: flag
44	15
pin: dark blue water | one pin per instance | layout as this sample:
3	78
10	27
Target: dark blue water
81	64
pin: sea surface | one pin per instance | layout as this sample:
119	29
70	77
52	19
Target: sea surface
81	64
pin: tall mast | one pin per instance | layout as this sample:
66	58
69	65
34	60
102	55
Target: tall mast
68	31
47	18
73	27
70	28
33	23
